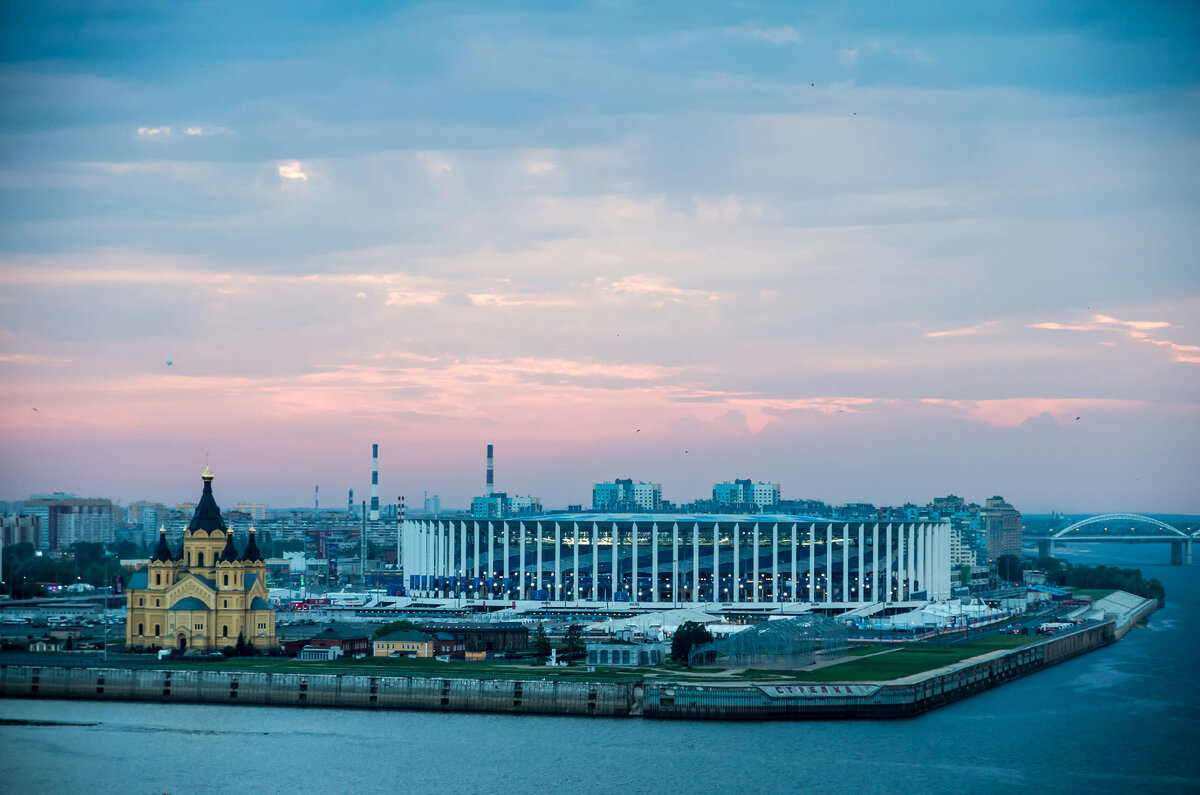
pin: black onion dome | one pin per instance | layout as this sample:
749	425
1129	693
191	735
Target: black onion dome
251	554
208	514
162	552
229	553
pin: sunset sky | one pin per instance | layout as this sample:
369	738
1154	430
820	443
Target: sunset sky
874	253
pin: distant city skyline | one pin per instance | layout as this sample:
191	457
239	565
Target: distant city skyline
875	257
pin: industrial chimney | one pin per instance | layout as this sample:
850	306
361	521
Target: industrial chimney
375	483
488	489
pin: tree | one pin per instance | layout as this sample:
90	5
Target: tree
573	647
1009	567
687	636
541	645
240	648
395	626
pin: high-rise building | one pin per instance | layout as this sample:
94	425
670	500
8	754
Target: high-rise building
745	495
147	517
1002	528
960	552
622	494
67	519
20	530
255	511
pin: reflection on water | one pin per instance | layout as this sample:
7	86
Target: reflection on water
1124	718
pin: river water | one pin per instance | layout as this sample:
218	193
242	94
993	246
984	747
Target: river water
1122	719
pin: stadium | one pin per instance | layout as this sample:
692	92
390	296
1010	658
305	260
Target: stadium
674	558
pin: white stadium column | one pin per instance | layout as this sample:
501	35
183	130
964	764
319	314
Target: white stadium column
477	572
575	563
634	587
737	569
716	556
875	563
506	585
654	562
829	562
775	562
755	592
846	562
812	562
616	561
911	554
862	571
927	559
557	592
521	561
538	583
490	582
795	584
919	555
595	557
887	568
675	563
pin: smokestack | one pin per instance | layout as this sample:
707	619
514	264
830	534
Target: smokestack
350	503
488	490
374	483
317	498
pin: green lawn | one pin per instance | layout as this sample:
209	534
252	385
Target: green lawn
911	659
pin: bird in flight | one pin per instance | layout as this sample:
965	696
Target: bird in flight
170	362
1076	418
639	430
34	409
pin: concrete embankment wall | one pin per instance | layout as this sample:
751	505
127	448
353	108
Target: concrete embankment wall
1127	621
669	700
612	699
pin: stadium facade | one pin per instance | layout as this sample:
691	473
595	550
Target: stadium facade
669	558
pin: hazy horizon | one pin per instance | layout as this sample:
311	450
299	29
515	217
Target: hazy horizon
876	257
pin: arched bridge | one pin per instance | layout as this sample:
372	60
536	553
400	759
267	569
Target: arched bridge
1096	528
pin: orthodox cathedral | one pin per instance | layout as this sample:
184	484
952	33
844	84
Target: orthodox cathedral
205	596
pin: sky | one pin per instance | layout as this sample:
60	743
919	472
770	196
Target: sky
872	252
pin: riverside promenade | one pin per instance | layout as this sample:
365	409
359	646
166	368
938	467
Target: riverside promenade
829	693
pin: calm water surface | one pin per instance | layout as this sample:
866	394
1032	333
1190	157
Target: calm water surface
1122	719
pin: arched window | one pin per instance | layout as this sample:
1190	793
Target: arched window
224	631
158	579
156	632
139	629
226	580
200	559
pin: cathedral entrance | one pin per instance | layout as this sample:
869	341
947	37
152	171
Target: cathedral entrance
182	643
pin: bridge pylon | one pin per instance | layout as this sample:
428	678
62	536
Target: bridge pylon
1045	548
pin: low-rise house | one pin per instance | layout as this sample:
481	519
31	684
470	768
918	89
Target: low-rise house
348	642
404	643
625	654
481	636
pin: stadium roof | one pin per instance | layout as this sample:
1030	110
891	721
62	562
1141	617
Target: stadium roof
669	518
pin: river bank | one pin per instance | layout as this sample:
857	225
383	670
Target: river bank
656	698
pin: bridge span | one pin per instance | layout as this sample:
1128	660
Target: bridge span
1153	532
